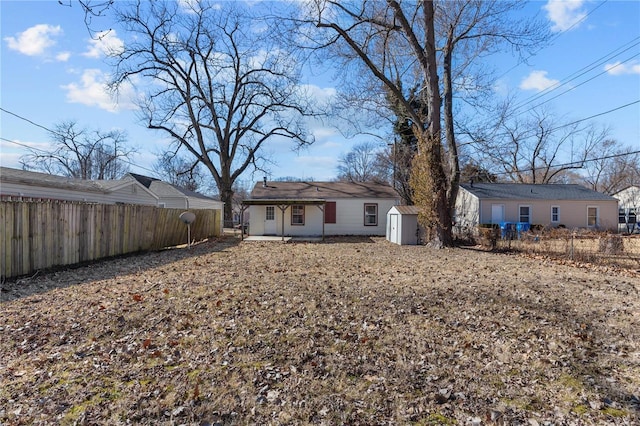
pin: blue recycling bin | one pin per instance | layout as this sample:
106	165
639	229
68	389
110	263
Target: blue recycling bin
507	230
522	227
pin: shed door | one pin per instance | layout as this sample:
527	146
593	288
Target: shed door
497	213
395	232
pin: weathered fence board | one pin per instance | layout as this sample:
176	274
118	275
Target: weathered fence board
43	234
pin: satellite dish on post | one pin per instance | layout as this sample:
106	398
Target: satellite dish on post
188	218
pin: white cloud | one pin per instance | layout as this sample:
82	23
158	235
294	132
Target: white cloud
537	80
104	43
34	41
618	68
564	13
63	56
92	90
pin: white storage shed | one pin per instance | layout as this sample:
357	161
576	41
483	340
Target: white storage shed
402	225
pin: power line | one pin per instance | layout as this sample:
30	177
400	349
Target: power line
584	70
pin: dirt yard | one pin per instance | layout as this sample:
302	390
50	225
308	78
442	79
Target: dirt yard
349	331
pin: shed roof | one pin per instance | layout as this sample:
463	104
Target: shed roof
321	190
409	210
524	191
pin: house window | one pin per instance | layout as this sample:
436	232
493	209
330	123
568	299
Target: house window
524	214
330	212
555	214
592	216
270	213
370	215
632	215
622	216
297	215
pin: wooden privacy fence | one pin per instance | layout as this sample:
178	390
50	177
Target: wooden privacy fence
39	235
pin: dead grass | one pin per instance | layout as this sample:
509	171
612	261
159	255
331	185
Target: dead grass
350	331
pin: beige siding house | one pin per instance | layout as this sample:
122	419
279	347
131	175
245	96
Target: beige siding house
554	205
18	184
319	208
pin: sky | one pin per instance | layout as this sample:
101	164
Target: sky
51	71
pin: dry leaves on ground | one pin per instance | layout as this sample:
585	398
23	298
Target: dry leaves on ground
348	331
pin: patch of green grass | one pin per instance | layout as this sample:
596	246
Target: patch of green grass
614	412
580	409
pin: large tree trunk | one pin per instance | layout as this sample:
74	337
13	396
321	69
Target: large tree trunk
441	218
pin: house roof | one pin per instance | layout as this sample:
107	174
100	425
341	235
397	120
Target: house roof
165	189
27	177
524	191
318	191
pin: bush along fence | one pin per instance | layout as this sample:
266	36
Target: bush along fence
41	235
595	247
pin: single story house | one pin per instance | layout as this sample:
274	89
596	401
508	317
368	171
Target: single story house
174	197
16	184
319	208
629	208
571	206
402	225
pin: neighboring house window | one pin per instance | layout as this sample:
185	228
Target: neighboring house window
330	212
632	215
162	205
555	214
592	216
370	215
271	213
622	216
297	215
525	214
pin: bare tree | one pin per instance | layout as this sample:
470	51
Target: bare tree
82	153
177	170
612	167
362	164
416	45
215	83
539	147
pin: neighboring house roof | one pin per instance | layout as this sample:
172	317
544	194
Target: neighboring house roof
27	177
321	190
524	191
164	189
407	209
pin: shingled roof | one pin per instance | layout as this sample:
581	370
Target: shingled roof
321	190
28	177
524	191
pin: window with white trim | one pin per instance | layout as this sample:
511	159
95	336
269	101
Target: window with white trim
370	215
297	215
524	214
592	216
555	214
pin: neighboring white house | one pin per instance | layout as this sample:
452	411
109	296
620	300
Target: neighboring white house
173	197
402	225
629	208
571	206
319	208
18	184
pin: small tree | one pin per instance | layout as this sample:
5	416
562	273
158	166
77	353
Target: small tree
82	153
362	164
